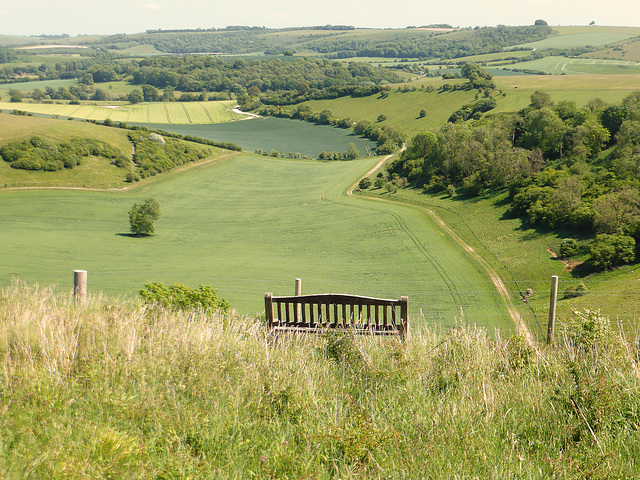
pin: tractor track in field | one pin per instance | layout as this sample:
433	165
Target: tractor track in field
424	251
493	275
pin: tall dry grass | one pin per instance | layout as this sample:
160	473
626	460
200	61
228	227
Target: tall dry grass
123	390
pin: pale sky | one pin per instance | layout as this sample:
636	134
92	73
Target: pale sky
33	17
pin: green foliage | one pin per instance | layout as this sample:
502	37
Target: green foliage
608	251
216	75
478	77
352	152
43	154
152	156
569	247
365	183
574	291
142	217
182	297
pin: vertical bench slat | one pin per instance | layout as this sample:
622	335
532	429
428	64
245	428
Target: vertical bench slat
320	319
384	315
304	312
311	317
286	310
393	316
368	314
279	312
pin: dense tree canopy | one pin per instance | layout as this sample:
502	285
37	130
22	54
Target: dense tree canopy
561	164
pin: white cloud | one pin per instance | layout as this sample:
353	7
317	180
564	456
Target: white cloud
153	6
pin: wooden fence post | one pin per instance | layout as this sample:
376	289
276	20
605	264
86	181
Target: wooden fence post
297	293
553	302
80	288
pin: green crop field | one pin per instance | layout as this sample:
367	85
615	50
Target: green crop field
246	226
174	112
279	134
581	66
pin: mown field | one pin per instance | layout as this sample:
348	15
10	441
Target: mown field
172	112
248	225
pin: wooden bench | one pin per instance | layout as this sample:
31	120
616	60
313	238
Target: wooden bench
318	313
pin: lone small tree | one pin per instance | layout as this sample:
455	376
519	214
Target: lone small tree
142	216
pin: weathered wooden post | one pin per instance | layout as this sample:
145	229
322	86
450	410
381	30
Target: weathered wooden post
268	309
553	302
404	318
297	293
80	288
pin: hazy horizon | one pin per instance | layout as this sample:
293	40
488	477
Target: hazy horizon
86	17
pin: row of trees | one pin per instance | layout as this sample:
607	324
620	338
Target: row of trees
473	42
565	167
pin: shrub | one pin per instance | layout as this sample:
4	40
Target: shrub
608	251
365	183
569	247
182	297
573	291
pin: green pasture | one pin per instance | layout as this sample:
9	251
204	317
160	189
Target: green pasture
93	173
279	134
580	66
162	112
578	88
246	226
627	51
402	109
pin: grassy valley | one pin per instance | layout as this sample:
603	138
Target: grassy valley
460	167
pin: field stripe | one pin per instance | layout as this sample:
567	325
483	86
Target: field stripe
186	112
206	110
166	111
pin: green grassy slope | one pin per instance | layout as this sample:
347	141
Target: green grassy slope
523	257
246	226
116	390
401	109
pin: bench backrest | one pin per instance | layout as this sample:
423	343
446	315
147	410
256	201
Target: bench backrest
362	314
